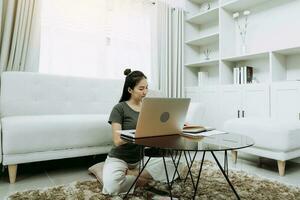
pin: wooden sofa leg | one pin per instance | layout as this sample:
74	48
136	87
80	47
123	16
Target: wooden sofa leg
234	156
281	167
12	171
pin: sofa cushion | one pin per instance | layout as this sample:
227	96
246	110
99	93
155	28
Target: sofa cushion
97	170
267	133
26	93
25	134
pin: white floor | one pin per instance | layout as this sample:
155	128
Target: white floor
52	173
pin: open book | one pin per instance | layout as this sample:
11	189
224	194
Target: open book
199	131
195	129
203	134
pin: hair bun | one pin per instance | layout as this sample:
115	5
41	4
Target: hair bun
127	71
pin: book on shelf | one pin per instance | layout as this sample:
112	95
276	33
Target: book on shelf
248	74
203	134
235	78
236	75
242	75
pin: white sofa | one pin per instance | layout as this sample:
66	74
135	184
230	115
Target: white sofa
274	138
47	117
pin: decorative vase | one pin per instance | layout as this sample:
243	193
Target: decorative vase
243	48
206	54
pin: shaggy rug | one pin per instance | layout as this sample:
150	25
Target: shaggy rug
212	186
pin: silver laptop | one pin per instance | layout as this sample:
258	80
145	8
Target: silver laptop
159	116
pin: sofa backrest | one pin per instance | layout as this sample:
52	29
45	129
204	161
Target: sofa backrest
26	93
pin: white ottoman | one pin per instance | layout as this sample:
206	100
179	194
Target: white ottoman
275	139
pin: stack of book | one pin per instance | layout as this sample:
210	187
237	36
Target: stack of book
199	131
242	75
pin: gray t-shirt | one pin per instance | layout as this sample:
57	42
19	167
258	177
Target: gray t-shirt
127	117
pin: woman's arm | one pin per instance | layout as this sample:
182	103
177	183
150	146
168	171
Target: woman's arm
116	136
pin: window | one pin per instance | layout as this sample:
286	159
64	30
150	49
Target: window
95	38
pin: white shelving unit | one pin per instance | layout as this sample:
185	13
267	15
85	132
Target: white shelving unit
238	5
272	40
203	63
272	50
259	62
286	64
202	34
207	16
204	40
246	57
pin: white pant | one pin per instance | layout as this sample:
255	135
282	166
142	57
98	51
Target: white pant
115	180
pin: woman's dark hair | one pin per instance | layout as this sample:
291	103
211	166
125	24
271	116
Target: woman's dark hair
131	80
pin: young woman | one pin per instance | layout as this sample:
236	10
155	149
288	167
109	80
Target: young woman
122	163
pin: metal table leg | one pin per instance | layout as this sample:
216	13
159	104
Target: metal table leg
225	175
189	169
198	178
166	171
175	164
140	172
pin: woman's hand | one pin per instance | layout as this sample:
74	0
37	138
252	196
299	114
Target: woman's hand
116	127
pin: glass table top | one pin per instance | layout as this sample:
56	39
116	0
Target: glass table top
219	142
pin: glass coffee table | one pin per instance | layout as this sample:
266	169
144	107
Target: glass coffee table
175	146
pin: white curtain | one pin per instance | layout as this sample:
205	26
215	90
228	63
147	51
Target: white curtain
169	45
15	28
96	38
33	54
177	53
